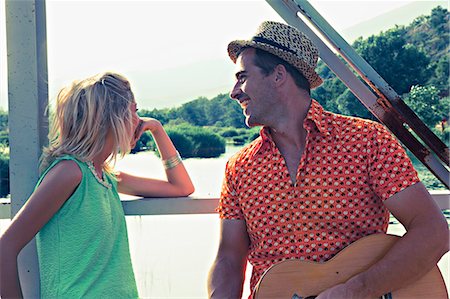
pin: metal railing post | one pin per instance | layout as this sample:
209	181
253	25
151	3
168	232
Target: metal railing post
27	102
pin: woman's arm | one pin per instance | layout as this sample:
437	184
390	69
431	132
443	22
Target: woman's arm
57	186
178	181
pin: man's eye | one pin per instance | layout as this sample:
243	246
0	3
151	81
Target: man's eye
241	79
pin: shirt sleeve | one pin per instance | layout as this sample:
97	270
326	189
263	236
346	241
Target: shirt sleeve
229	207
390	168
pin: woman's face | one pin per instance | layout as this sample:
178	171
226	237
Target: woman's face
135	120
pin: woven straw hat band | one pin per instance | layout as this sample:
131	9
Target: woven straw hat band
287	43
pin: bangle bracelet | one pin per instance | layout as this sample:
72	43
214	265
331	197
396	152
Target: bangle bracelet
172	161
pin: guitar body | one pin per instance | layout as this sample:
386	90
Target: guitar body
303	279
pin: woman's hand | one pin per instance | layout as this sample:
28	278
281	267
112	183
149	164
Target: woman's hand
178	182
146	124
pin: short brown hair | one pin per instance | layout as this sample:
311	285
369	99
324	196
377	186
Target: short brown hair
267	63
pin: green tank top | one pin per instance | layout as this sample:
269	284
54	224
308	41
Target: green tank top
83	250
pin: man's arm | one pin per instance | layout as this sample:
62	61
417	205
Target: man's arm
226	277
417	252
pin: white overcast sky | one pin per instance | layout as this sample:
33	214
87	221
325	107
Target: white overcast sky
152	40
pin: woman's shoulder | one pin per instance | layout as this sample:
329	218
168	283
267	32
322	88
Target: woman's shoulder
67	170
64	170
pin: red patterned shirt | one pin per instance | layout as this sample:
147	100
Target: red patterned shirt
348	168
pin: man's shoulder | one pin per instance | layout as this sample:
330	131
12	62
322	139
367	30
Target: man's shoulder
345	123
246	153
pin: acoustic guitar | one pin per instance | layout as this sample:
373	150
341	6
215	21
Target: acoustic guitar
295	279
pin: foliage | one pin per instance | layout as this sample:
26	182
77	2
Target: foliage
238	136
425	101
443	132
220	111
190	141
144	143
441	77
425	176
4	140
4	171
331	88
431	33
3	120
400	63
198	142
348	104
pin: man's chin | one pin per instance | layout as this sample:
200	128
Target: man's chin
252	123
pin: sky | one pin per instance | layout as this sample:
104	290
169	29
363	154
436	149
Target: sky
175	51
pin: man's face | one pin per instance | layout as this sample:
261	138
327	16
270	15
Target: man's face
253	90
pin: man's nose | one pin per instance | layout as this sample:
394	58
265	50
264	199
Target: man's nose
235	92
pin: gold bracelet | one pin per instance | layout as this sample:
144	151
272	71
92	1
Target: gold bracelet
172	161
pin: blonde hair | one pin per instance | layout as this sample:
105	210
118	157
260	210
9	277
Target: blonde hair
85	113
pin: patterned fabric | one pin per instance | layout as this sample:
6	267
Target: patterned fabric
348	168
83	250
286	42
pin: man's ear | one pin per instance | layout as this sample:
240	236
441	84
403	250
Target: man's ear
280	74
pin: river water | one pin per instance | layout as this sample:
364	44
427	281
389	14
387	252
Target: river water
172	254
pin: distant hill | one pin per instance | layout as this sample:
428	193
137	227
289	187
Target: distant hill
400	16
431	34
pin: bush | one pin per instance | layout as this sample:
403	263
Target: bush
239	140
4	172
182	142
4	138
229	133
207	145
144	143
197	142
443	134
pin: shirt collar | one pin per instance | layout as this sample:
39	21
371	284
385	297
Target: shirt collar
316	116
315	119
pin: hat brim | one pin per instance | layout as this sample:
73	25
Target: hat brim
235	47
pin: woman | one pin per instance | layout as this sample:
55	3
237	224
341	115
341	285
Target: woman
75	209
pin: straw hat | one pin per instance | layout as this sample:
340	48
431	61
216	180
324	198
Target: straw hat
286	42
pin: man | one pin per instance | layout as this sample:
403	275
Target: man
314	181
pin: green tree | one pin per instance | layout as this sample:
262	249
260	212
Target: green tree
4	171
143	143
439	19
194	112
348	104
426	103
401	64
441	77
3	120
163	115
328	92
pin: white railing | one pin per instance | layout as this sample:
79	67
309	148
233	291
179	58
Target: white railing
194	205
